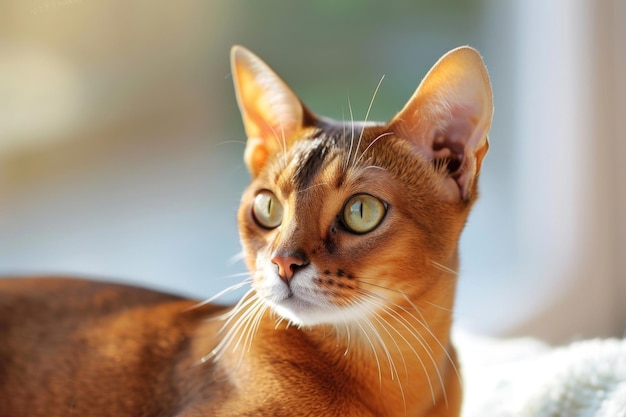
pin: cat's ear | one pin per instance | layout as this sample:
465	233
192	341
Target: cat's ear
272	113
448	119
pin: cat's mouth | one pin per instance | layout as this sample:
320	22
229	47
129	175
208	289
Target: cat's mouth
309	306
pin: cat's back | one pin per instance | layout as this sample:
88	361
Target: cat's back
62	302
81	347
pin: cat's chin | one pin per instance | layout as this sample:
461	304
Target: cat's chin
305	313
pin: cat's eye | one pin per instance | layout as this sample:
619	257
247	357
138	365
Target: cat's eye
363	213
267	210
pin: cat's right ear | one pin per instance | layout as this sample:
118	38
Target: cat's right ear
272	113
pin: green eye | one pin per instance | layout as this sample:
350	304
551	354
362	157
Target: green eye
266	210
362	213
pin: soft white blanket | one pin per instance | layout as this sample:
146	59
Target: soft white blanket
524	378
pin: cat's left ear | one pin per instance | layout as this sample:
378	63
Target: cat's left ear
448	119
272	113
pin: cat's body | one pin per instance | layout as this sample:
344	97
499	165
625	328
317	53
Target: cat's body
350	232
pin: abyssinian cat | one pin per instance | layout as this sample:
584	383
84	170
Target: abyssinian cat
350	232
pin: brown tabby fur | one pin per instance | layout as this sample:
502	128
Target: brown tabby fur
82	348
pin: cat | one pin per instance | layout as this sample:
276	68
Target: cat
350	233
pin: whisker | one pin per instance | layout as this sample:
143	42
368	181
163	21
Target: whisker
255	326
284	143
369	340
247	330
449	310
221	293
343	124
444	268
347	160
312	186
245	301
251	329
385	325
410	328
422	342
374	167
241	307
383	345
345	353
382	135
236	258
231	334
280	140
392	366
365	281
424	324
253	310
367	114
228	142
279	319
386	303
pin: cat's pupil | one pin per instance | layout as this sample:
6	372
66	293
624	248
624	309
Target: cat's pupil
358	206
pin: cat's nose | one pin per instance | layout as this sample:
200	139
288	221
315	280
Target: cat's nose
289	263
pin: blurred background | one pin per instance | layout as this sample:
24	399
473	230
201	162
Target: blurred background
121	144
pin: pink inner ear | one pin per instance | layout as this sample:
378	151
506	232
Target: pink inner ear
452	143
452	137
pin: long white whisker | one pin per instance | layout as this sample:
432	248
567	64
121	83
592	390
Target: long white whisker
284	141
382	135
236	258
369	340
279	321
231	334
228	142
280	140
255	327
242	307
410	328
385	324
347	160
386	301
313	186
392	366
345	353
419	338
415	333
444	268
424	324
253	311
221	293
246	331
239	308
343	125
367	114
427	348
374	167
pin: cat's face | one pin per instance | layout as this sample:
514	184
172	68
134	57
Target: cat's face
342	219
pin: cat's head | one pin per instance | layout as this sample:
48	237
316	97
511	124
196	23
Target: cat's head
345	218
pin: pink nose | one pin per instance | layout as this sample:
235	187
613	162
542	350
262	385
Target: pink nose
287	265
